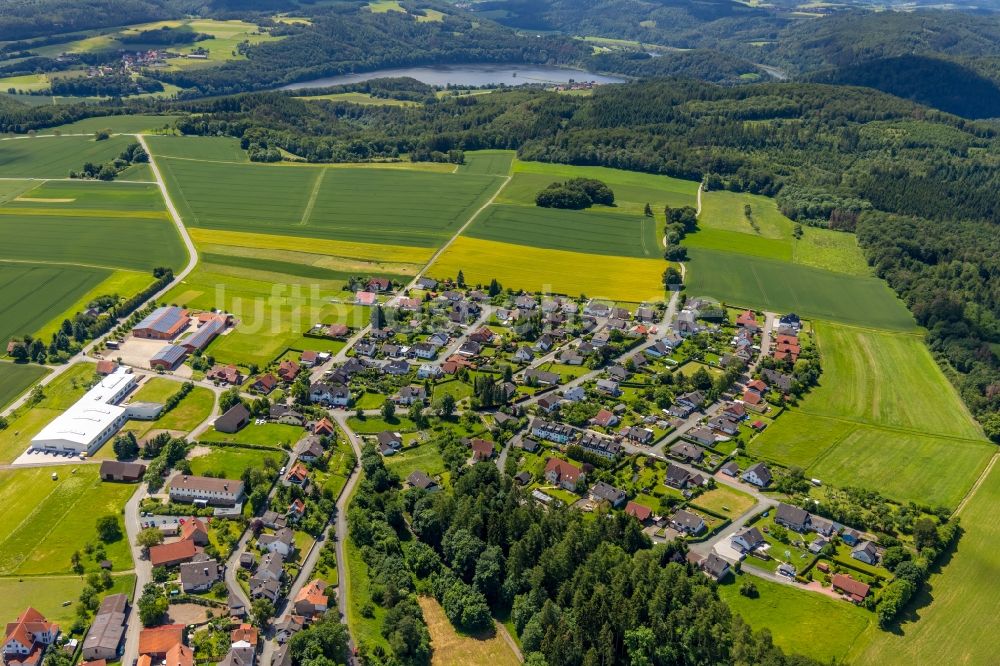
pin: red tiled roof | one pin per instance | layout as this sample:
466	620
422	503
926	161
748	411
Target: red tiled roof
244	632
638	511
179	655
482	449
314	593
192	526
854	588
564	469
323	427
159	640
171	553
752	398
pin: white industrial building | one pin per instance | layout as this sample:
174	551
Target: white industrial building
94	418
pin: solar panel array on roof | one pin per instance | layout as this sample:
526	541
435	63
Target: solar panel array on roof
172	354
162	320
200	338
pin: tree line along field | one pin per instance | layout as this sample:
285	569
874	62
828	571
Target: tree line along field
120	281
882	404
111	225
951	619
130	124
54	157
45	520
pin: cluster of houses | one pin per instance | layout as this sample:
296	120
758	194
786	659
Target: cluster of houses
166	644
786	339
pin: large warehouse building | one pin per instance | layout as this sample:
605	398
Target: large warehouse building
94	419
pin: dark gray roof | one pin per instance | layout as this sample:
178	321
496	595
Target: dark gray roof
421	480
790	514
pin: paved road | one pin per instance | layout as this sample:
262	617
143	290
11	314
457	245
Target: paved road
340	527
143	573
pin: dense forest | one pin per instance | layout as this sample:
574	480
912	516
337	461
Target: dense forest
578	591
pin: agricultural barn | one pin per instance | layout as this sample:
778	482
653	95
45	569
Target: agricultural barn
198	340
93	420
114	470
168	358
162	323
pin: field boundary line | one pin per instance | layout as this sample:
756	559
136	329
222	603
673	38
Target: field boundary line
313	196
979	482
43	262
825	453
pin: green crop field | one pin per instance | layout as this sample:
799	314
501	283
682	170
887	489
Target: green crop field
207	148
31	296
552	271
488	162
946	623
903	466
726	211
833	250
55	157
44	521
365	205
734	241
885	378
16	378
572	231
359	98
800	622
92	223
230	462
780	286
882	404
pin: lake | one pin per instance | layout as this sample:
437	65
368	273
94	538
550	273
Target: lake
465	75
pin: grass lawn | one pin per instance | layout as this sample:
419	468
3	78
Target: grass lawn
781	286
230	462
273	435
47	593
799	621
127	123
189	412
488	162
62	392
725	500
743	243
156	389
360	98
944	624
832	250
451	648
371	425
424	457
44	521
726	211
552	271
454	388
16	378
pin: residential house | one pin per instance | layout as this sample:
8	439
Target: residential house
759	475
597	309
609	387
735	410
866	552
715	567
822	526
296	510
157	642
687	522
366	298
730	469
323	427
677	477
541	377
264	384
273	520
287	627
748	320
288	370
27	637
365	348
563	474
603	492
638	435
225	374
544	343
284	414
326	393
200	576
604	447
311	599
551	431
298	475
604	418
549	403
725	425
481	449
658	349
792	517
428	371
194	530
425	350
687	452
234	419
409	395
281	542
389	443
639	512
851	536
206	490
399	367
310	449
421	480
378	284
618	373
574	394
702	435
853	589
779	379
755	401
524	355
427	283
172	554
747	540
527	444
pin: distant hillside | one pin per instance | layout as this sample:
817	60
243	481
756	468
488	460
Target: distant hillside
944	84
